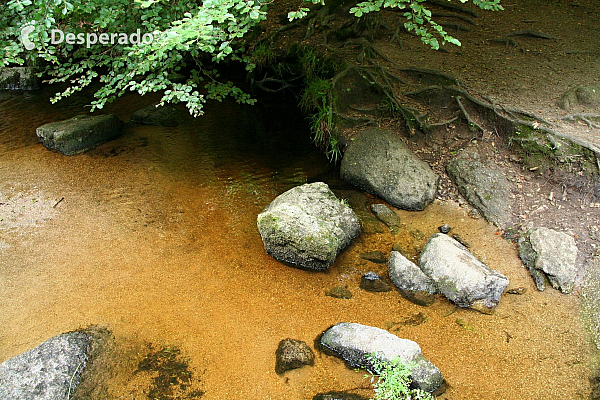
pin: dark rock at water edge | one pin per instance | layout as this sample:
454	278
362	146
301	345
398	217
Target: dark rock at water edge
374	256
307	227
413	284
371	282
339	396
378	162
292	354
485	187
158	116
18	78
51	371
550	255
355	343
460	276
80	133
387	216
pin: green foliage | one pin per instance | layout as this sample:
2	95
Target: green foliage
418	18
190	34
391	380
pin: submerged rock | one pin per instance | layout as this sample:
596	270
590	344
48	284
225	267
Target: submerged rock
307	227
485	188
371	282
377	257
80	133
387	216
355	343
292	354
51	371
158	116
551	255
18	78
378	162
413	284
339	292
460	276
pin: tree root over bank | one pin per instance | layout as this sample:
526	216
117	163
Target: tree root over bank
426	100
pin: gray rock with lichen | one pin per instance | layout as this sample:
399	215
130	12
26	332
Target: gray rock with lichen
51	371
413	284
484	186
460	276
378	162
550	255
307	227
355	343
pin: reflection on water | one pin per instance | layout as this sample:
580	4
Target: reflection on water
156	239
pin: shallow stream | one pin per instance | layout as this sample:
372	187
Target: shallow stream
155	239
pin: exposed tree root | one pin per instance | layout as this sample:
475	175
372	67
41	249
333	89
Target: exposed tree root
587	118
533	34
453	7
452	15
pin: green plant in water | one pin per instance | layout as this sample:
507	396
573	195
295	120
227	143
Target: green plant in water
321	123
391	380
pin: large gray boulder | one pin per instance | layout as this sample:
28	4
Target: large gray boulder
307	226
80	133
485	187
413	284
460	276
550	255
354	343
378	162
51	371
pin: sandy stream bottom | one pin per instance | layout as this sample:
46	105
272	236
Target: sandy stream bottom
156	240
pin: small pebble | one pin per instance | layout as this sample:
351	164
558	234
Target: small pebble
372	282
445	228
519	290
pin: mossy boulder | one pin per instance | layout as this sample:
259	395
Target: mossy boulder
307	227
80	133
378	162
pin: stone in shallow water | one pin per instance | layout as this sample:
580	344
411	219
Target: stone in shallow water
339	292
371	282
460	276
413	284
80	133
307	227
355	343
48	372
551	255
485	187
292	354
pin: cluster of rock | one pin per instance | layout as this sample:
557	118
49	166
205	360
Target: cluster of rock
85	132
449	268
